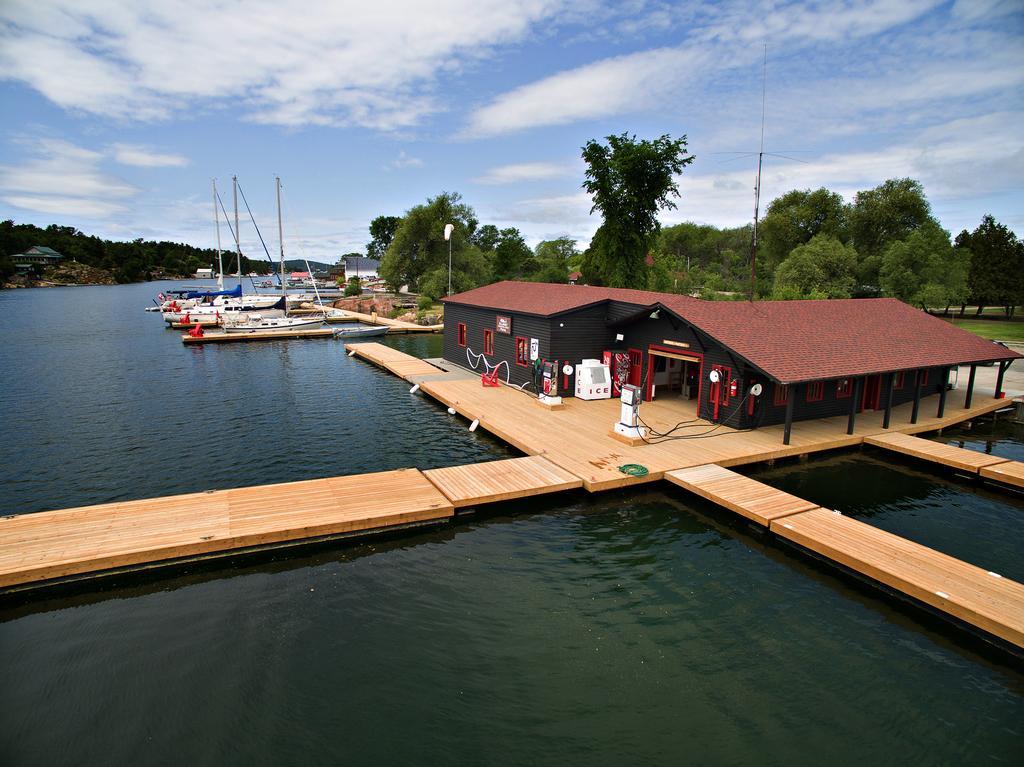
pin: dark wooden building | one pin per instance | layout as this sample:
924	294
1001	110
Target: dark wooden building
812	359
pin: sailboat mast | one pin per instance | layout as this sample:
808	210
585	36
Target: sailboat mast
238	237
280	237
216	221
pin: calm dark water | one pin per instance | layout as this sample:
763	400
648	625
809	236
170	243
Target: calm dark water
633	628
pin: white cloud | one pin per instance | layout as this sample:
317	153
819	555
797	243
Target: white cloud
526	171
287	62
406	161
63	178
142	157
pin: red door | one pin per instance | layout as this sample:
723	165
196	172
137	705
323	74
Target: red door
636	361
872	393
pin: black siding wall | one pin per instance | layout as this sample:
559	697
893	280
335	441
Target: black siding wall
476	320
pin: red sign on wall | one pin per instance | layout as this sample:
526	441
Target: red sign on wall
504	325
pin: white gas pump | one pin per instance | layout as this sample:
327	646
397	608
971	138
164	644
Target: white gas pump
629	413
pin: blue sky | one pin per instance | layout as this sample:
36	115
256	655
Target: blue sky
117	115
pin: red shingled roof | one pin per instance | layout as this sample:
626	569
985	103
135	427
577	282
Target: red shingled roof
791	341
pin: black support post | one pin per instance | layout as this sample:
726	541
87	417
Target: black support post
790	399
854	401
999	377
942	394
890	381
970	387
917	396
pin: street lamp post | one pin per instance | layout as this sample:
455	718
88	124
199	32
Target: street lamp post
448	229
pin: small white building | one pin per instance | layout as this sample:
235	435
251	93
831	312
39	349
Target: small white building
361	267
204	274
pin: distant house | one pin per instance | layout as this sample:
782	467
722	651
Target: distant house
37	255
204	274
574	277
361	267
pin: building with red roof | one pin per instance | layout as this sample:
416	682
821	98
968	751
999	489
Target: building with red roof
773	361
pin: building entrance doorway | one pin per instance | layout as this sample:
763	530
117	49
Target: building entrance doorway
673	374
872	393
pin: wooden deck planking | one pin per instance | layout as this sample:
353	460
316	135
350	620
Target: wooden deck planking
394	326
745	496
493	481
968	593
396	362
56	544
937	452
576	437
1009	473
222	337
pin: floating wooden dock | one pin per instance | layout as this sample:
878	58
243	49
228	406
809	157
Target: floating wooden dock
752	499
57	544
395	327
594	456
971	461
970	594
964	592
479	483
225	338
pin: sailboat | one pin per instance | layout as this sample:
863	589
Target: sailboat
256	323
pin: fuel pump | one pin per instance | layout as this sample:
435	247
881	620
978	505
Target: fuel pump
548	388
629	413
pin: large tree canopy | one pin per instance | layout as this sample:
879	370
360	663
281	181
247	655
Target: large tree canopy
382	232
554	259
513	258
883	215
822	268
418	254
924	269
629	181
996	276
794	218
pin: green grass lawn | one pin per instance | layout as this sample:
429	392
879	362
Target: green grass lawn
1004	331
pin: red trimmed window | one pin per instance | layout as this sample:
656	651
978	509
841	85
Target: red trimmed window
899	380
781	395
522	351
462	334
923	380
844	388
815	391
488	342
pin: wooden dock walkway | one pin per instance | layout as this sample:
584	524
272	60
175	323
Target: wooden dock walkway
971	461
225	338
479	483
752	499
970	594
394	326
57	544
964	592
394	361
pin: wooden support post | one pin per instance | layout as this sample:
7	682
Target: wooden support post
853	405
790	399
970	387
942	394
917	396
999	377
890	381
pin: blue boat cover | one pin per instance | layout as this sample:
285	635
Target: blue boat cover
235	292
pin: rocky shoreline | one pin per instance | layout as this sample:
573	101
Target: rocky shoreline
74	274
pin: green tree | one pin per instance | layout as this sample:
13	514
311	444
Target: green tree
382	232
353	287
554	259
822	268
796	217
629	181
888	213
487	238
996	271
924	269
512	257
419	247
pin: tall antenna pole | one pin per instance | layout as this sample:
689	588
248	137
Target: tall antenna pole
216	221
757	184
238	234
280	237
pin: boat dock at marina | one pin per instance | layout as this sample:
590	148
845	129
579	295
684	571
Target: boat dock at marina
565	449
221	337
988	466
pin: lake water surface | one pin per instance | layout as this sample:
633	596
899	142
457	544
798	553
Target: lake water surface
640	627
